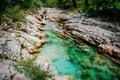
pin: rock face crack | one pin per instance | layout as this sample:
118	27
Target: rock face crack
4	50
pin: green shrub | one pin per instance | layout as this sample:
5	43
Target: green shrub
38	3
98	5
14	13
66	4
31	70
52	3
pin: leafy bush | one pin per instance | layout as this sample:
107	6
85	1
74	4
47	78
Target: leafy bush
98	5
90	6
38	3
31	70
15	13
65	4
13	9
52	3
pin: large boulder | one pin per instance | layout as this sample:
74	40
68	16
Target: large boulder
9	47
8	72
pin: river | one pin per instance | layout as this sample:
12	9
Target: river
81	61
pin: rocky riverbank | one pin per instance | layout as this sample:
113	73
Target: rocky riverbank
22	40
18	41
104	35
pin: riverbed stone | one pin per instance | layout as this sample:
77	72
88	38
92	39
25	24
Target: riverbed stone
63	78
31	39
34	30
32	19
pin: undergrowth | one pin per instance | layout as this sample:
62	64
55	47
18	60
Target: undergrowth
31	70
14	14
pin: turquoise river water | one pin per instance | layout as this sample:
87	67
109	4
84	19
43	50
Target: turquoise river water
80	61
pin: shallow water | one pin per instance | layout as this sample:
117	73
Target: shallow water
81	61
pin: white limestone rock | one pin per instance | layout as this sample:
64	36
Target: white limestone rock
34	30
8	72
32	19
26	44
31	39
9	47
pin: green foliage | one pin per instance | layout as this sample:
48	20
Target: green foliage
52	3
4	4
89	6
66	4
13	9
38	3
98	5
11	3
15	14
24	3
109	9
31	70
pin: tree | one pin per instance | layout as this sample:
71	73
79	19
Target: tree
74	3
99	5
67	4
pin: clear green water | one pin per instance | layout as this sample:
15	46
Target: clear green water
80	61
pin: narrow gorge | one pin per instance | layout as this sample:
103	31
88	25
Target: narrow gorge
70	46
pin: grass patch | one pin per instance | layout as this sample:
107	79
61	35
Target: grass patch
31	70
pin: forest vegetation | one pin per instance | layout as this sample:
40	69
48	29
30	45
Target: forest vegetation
14	9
